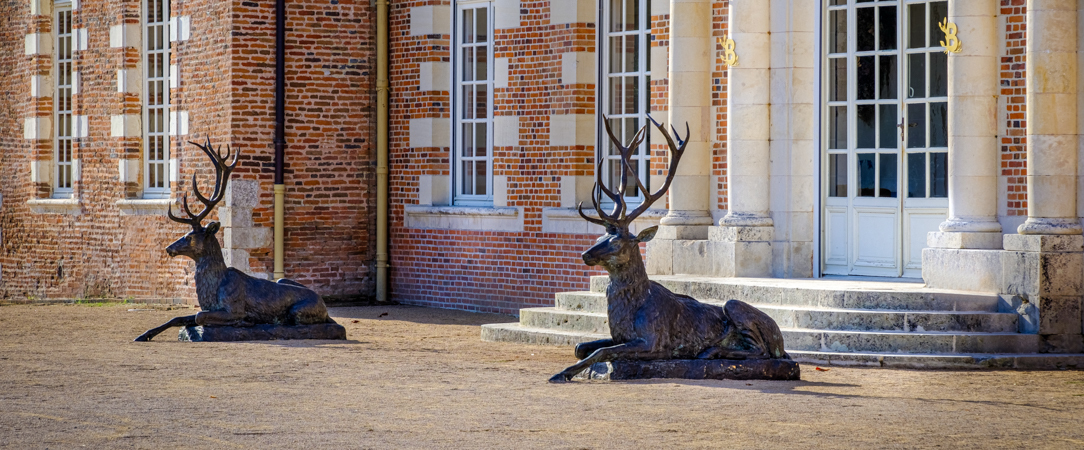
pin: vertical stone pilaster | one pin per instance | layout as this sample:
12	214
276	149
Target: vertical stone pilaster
973	87
1052	118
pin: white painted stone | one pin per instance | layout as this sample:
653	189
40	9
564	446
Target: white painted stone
430	19
144	207
500	73
435	76
38	127
41	171
41	7
576	189
236	258
242	194
125	125
77	81
125	35
178	123
505	131
131	80
464	218
174	76
80	39
505	14
65	206
434	190
960	269
234	217
128	170
500	190
957	240
180	28
80	126
39	44
430	132
567	220
568	130
660	57
572	11
578	68
246	238
174	170
41	86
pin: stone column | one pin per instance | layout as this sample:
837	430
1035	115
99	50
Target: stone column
691	59
748	118
1052	117
973	87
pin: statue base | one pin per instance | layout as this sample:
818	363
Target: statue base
264	332
694	369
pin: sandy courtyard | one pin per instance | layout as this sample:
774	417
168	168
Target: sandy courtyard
412	377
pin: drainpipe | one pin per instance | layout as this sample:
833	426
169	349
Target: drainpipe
280	133
381	150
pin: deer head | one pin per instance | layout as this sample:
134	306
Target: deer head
201	240
618	247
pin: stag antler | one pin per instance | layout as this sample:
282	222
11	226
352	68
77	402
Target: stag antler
222	176
617	218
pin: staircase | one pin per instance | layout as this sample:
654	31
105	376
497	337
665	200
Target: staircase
831	321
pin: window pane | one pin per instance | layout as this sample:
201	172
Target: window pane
865	131
888	77
480	178
838	36
887	32
938	74
889	187
916	75
481	69
838	68
837	175
938	13
867	77
468	26
632	95
468	177
865	27
916	125
468	140
939	124
837	127
939	175
616	51
916	29
866	175
615	96
632	15
482	28
481	140
481	100
632	53
468	101
889	136
916	175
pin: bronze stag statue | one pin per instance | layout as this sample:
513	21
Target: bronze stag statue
228	297
647	321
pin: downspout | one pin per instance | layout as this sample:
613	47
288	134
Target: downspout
280	134
381	150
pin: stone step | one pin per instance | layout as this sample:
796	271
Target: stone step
905	296
832	318
514	332
1025	361
561	320
903	342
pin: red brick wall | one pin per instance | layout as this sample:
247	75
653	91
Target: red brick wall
1014	163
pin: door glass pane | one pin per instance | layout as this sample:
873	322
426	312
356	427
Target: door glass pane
867	77
632	53
480	138
837	127
838	2
916	125
888	175
837	175
632	95
939	124
866	130
888	77
838	69
916	29
867	177
468	178
468	140
888	127
887	32
938	13
837	38
865	28
481	28
916	75
480	177
468	26
616	50
938	74
916	175
480	101
939	175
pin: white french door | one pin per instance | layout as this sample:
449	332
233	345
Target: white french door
885	138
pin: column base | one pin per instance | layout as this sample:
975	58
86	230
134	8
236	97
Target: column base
1045	273
687	218
1047	225
741	251
962	240
740	219
962	225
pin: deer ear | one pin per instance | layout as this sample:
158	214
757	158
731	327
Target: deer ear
647	234
212	228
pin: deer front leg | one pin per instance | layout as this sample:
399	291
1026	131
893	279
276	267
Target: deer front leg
586	348
182	321
635	349
220	319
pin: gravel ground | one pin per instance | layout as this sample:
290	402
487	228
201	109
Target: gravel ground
412	377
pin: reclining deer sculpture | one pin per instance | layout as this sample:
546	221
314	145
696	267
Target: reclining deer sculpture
647	321
227	296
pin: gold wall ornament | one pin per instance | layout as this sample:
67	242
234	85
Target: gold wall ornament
730	58
951	43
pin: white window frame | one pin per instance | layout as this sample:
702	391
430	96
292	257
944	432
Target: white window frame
156	170
459	102
63	73
643	76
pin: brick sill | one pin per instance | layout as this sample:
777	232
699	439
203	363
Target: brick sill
144	207
568	221
473	218
68	206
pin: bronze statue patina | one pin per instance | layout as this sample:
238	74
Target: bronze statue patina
647	321
236	306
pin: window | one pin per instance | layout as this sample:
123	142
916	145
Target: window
62	104
156	98
626	86
473	105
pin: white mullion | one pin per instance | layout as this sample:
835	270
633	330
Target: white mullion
459	174
155	111
62	104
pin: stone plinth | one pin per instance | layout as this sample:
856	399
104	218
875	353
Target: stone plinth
741	251
695	369
262	333
1045	273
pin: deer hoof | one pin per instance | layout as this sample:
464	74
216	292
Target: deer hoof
142	339
560	378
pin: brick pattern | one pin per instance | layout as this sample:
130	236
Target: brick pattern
1014	164
720	18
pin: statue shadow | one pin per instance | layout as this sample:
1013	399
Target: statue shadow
416	314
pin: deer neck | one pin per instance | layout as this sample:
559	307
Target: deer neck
210	269
628	284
